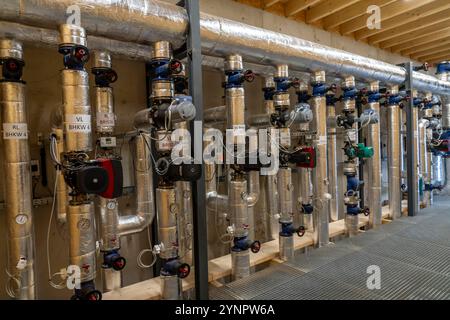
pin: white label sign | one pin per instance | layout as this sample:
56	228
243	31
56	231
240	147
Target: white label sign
239	130
78	123
105	119
15	131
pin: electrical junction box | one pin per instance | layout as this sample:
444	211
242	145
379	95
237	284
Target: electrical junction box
108	142
35	168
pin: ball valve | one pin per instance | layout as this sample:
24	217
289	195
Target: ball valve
113	259
175	267
243	243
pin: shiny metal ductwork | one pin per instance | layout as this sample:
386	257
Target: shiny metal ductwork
394	156
150	21
17	173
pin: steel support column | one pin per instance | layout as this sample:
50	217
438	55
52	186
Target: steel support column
411	160
194	55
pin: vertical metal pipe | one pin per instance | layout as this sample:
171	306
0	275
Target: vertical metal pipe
17	174
332	164
61	186
374	166
423	160
286	194
394	160
411	144
320	180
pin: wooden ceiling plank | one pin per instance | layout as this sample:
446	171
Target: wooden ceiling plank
292	7
413	35
269	3
393	10
327	8
411	26
437	57
430	45
426	10
441	50
348	14
443	34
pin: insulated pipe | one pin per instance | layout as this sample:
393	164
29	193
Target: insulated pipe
332	161
17	174
145	207
77	141
423	160
61	186
374	164
215	114
286	196
319	174
394	158
147	21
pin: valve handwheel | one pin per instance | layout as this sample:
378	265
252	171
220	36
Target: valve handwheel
255	246
94	295
301	231
119	263
176	66
249	76
183	270
12	65
366	211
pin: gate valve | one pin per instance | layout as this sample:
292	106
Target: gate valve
345	121
12	69
87	292
425	66
255	246
301	231
237	78
75	56
365	211
307	208
113	259
104	76
183	270
175	66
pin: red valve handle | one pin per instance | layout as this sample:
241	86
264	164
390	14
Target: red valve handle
301	231
183	270
176	66
119	263
94	295
249	76
255	246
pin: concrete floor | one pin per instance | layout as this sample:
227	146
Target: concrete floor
412	253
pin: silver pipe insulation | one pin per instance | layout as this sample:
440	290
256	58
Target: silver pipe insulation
333	188
319	173
423	160
394	161
78	139
62	197
415	173
17	173
374	171
146	21
286	201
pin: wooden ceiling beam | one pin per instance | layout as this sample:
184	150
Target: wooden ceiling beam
390	11
292	7
430	45
356	10
441	49
430	30
426	10
419	41
407	28
326	8
269	3
441	56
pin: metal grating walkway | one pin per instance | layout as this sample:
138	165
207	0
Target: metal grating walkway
413	255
